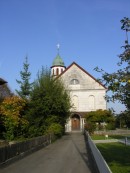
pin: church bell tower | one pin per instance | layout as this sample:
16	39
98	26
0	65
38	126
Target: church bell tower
58	64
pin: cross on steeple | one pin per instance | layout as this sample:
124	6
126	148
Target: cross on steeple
58	47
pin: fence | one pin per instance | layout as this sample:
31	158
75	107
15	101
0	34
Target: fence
13	151
113	132
101	163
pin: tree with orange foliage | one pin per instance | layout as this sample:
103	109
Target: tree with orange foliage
12	112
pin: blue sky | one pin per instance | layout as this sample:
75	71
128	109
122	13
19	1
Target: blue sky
87	30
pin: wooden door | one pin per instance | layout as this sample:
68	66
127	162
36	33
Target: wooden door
75	123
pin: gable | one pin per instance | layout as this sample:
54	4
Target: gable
76	77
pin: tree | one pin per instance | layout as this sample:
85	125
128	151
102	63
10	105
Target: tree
100	116
123	120
119	81
12	115
25	85
99	119
49	104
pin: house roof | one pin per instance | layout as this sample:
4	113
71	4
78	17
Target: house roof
74	63
2	81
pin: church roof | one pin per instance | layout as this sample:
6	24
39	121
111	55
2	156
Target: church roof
83	71
58	61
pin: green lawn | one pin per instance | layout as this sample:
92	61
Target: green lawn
117	156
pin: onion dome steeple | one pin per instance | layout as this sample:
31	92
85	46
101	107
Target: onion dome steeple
58	61
58	65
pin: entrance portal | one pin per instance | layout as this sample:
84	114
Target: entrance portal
75	122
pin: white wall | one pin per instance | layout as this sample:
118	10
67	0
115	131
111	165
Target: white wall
54	70
88	95
85	102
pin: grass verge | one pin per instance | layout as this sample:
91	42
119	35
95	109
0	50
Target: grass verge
117	156
102	137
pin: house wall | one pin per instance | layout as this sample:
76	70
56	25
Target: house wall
88	100
56	70
88	94
85	92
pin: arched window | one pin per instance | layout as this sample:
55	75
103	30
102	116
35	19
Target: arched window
75	102
91	102
61	70
74	82
57	71
53	71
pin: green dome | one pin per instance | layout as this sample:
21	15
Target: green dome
58	61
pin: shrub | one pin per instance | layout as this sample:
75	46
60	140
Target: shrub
110	126
56	129
90	127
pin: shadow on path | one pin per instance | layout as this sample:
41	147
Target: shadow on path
70	154
86	155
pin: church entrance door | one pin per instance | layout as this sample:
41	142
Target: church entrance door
75	122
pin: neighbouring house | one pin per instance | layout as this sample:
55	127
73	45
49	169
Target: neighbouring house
86	93
4	89
2	81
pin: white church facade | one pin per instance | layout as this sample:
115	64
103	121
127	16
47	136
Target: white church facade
86	93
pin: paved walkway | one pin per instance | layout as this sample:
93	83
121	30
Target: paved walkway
67	155
125	141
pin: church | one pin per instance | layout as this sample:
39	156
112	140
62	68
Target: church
86	93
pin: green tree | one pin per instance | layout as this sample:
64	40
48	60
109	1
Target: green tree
100	116
100	119
49	104
123	120
25	85
119	81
